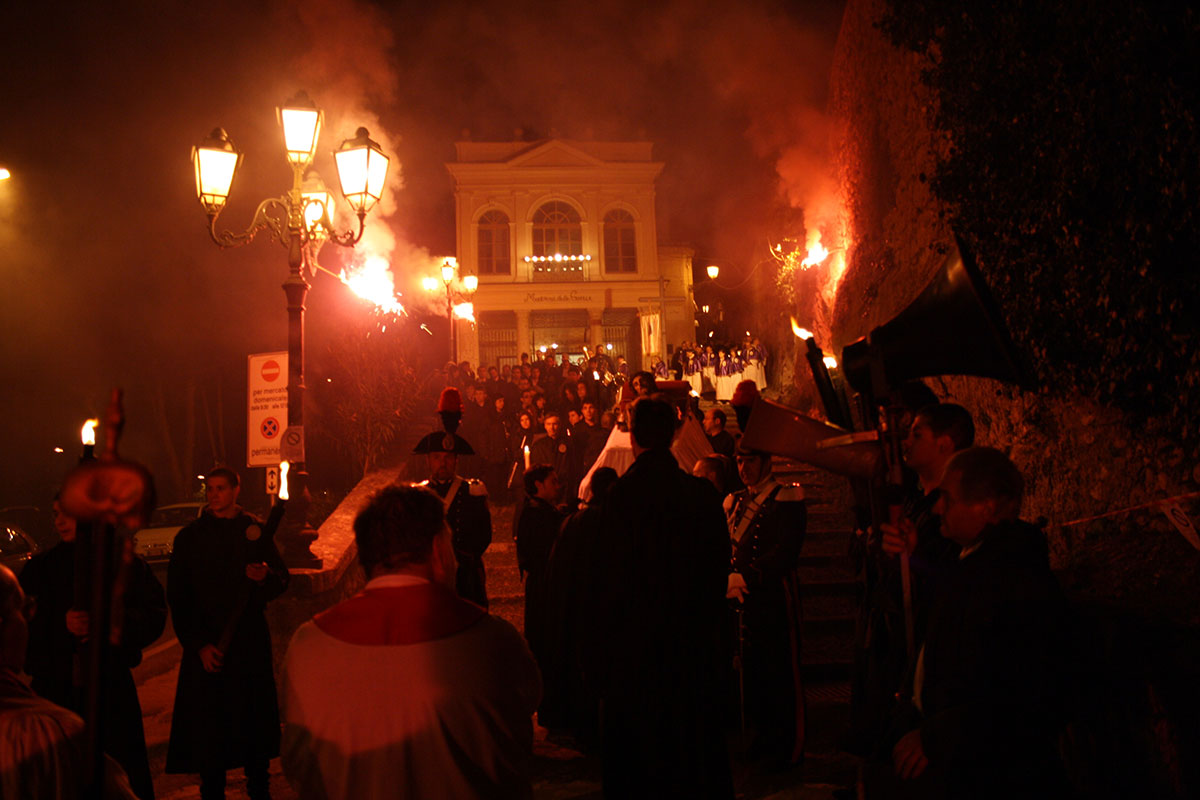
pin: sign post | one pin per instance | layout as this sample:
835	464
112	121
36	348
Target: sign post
266	407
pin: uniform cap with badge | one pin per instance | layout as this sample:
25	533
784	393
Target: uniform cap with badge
446	440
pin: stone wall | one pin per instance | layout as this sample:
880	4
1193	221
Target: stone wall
1131	576
1080	459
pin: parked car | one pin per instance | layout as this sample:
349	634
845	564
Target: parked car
16	546
154	542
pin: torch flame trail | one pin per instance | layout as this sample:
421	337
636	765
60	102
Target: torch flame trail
802	333
88	434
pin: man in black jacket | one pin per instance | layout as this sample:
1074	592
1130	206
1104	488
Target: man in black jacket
662	561
536	532
226	713
58	629
984	705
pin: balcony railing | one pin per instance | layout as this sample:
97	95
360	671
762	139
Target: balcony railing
558	268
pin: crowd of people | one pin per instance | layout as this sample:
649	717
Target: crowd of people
661	613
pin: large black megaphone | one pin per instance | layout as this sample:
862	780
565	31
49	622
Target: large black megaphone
954	327
783	431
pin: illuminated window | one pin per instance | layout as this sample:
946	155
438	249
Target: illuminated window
493	244
557	229
620	242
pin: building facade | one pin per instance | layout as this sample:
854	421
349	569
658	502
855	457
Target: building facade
562	235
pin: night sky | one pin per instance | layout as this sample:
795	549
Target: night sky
109	277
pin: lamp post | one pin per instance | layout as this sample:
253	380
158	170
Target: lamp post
469	284
302	221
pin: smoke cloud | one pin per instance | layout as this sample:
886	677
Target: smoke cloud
109	275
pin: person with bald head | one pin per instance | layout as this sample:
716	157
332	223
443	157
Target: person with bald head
983	707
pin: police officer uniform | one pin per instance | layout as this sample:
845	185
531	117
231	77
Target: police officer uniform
467	515
766	525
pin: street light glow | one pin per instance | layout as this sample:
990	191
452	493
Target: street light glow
215	161
4	174
471	282
429	283
713	271
301	122
362	169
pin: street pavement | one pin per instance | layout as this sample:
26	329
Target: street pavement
560	772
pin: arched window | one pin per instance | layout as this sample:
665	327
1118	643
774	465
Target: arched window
493	244
556	229
620	242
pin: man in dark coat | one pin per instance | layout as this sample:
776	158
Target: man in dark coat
588	438
57	630
557	450
984	702
536	532
661	568
569	676
714	428
937	433
226	713
467	513
766	527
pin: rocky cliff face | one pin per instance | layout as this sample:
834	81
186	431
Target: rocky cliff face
1081	456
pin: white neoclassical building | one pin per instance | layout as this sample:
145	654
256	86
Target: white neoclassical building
562	236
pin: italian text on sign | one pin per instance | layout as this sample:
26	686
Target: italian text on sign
266	407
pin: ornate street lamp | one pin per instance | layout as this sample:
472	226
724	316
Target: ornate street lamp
469	284
713	271
302	221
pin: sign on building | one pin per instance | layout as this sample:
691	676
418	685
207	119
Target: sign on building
266	407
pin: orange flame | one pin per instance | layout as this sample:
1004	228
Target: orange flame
88	434
373	282
802	333
816	253
465	311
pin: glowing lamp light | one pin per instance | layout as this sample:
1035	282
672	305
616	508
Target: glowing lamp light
317	203
301	122
87	435
830	362
471	282
200	477
595	375
542	349
713	271
465	311
215	161
554	346
609	345
362	169
4	174
704	308
59	450
429	283
448	271
283	487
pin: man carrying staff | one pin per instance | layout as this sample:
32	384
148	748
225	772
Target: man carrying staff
766	526
465	499
226	713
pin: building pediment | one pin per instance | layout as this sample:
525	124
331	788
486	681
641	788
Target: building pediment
555	153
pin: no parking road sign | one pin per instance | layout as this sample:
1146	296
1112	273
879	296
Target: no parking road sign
266	407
